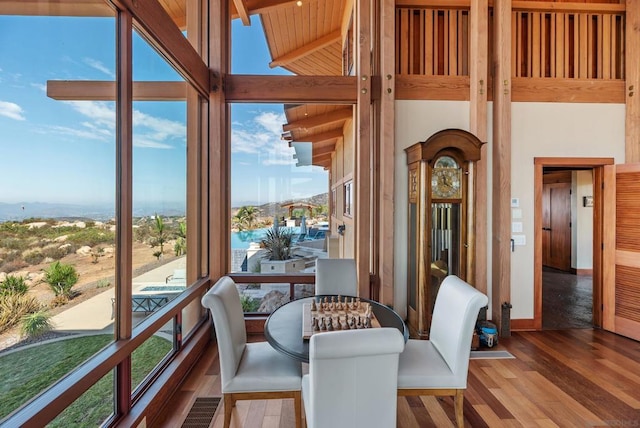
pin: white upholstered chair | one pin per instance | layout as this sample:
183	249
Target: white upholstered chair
336	276
249	371
352	380
439	366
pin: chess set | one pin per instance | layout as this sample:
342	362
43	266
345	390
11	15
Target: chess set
335	314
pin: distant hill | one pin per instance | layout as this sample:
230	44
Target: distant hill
25	210
272	209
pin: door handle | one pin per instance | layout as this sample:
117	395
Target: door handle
546	228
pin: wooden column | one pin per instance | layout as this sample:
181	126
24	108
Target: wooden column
363	171
124	177
386	154
632	82
124	205
219	141
501	203
195	171
478	74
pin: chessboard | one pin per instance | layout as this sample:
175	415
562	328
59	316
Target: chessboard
335	314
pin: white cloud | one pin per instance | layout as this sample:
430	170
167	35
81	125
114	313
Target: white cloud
11	110
149	131
40	86
261	136
98	65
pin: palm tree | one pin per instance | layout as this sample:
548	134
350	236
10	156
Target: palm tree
161	237
246	217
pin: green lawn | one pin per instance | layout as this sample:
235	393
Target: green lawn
27	372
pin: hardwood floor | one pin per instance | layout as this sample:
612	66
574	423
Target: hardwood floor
563	378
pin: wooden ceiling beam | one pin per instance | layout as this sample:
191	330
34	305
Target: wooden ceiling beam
321	159
320	120
307	49
323	150
326	164
241	88
320	137
255	7
93	90
243	12
56	8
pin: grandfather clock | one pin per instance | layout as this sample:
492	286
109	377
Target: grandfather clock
441	219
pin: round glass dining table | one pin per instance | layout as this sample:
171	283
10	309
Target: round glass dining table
283	328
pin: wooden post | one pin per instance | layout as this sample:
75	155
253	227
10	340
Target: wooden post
219	150
363	171
386	154
501	204
478	75
632	82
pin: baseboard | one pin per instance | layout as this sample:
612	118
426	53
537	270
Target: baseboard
523	324
584	272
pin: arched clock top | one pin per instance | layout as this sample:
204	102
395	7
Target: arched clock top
467	146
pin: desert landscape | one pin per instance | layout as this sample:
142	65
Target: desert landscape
94	264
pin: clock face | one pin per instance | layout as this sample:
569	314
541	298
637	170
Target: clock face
445	179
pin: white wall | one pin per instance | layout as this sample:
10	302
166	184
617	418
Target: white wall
581	220
553	130
538	130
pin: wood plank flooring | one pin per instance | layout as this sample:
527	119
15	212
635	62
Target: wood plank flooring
560	378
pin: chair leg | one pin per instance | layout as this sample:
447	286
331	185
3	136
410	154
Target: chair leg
297	406
458	404
229	402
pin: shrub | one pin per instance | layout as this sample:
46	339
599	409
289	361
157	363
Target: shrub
61	278
35	324
91	237
13	265
249	304
103	283
14	244
33	257
277	243
56	252
13	285
14	306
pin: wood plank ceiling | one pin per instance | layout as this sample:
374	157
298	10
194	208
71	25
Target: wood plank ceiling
306	39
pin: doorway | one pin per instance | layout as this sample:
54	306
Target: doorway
568	254
567	227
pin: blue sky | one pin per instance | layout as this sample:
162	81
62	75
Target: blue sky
63	151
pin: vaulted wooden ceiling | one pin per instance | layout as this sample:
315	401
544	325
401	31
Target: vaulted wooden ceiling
305	38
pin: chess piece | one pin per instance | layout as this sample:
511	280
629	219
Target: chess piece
322	325
352	323
313	306
314	324
344	325
330	324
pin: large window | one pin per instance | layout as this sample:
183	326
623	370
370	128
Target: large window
279	209
57	203
94	224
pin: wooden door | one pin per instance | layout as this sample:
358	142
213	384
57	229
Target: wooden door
556	225
621	253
